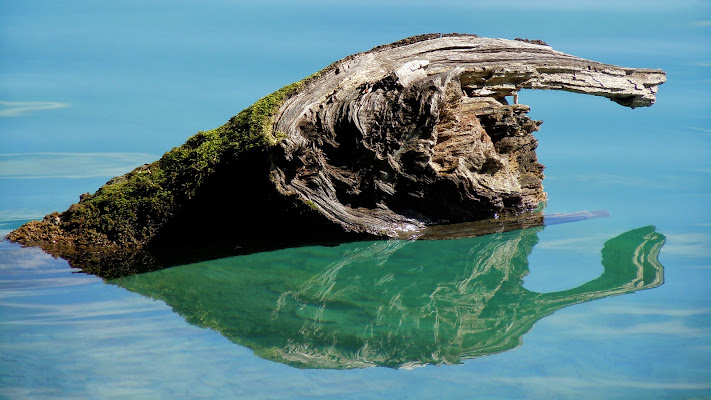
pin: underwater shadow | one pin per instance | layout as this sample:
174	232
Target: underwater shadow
396	304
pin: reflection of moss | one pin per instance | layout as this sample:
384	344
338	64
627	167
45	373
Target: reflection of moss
130	209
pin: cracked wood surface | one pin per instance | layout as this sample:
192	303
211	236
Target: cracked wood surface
426	98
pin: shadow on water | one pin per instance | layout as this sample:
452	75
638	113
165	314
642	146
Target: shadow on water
397	304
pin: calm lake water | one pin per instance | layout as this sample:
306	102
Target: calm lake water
615	307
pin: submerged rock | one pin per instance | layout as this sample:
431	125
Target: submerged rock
379	144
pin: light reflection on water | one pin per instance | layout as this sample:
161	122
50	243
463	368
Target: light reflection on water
96	340
395	303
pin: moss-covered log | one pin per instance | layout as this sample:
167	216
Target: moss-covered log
379	144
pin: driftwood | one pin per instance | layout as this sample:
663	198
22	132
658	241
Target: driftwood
420	132
380	144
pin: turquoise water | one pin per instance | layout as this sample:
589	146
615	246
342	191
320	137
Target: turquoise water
91	91
397	304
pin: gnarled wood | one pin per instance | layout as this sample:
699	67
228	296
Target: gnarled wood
383	143
419	132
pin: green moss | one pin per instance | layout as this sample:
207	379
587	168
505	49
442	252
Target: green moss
311	205
133	207
125	210
253	126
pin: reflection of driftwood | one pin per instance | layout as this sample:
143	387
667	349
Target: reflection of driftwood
381	143
390	303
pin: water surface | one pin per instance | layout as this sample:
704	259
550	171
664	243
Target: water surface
88	91
398	304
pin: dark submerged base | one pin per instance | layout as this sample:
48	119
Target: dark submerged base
258	235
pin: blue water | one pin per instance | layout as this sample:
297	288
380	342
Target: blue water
89	91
